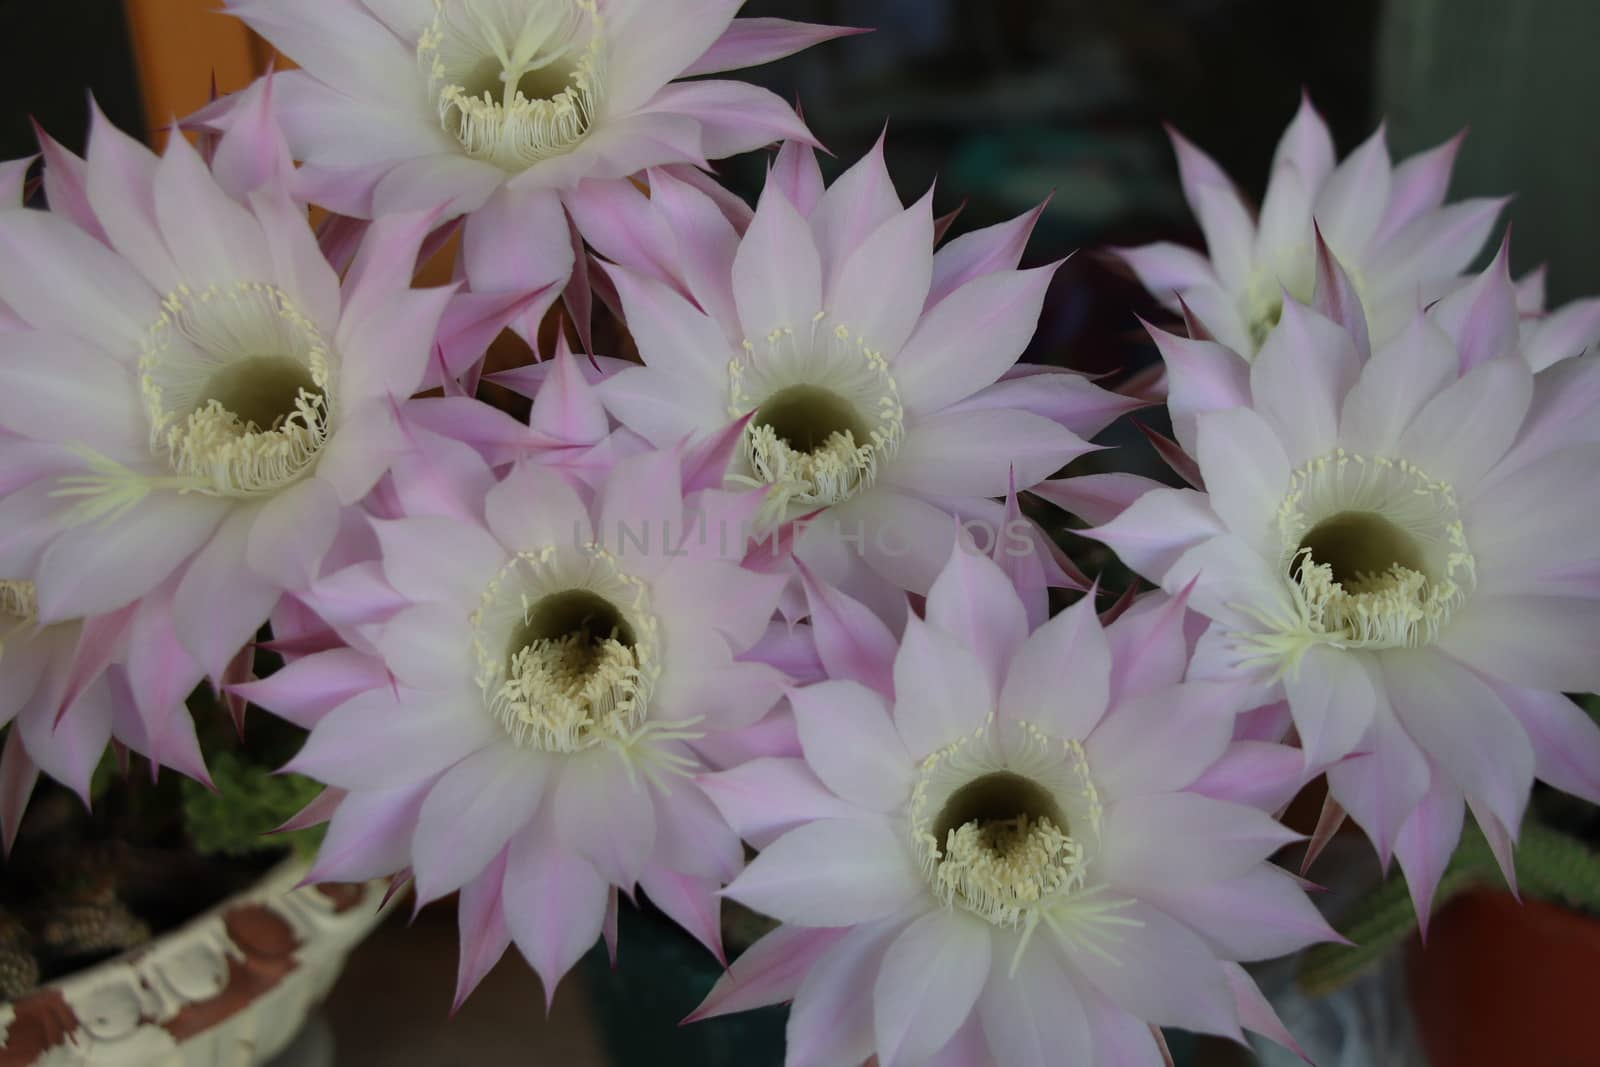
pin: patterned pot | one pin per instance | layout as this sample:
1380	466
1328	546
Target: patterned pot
229	988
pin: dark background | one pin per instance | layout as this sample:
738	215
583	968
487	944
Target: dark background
1001	101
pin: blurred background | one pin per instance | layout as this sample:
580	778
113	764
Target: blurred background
1002	102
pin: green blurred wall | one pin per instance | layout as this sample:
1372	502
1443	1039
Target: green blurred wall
1523	74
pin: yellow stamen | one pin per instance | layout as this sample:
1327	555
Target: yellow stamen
827	416
567	650
516	83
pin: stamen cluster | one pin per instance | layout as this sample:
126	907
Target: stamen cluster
18	601
1000	867
1030	848
516	87
1389	507
571	690
856	421
237	385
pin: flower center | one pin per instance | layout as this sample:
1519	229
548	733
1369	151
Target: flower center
19	601
1261	304
1374	552
1005	846
19	609
1003	823
566	649
827	413
237	384
1262	317
516	81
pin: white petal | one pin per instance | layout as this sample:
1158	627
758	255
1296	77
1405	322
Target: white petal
1246	472
1061	676
1464	726
1033	1017
970	339
929	984
879	292
1333	699
1300	378
1146	838
777	274
1395	385
851	743
1162	973
831	1020
941	690
1353	201
833	872
1467	428
433	559
470	814
533	507
973	601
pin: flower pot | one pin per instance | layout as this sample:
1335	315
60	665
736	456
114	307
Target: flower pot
1506	983
230	987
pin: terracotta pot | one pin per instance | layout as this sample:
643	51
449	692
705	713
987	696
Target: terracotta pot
229	988
1502	983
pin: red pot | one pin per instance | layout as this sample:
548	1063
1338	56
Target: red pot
1500	984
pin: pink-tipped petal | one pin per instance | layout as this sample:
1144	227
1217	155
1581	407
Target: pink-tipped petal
1162	738
768	972
1307	145
1567	332
1032	1015
1381	787
1256	1012
752	42
1419	186
796	173
734	117
1299	380
1155	532
987	251
1333	697
1193	993
971	338
777	274
484	934
1467	732
974	602
690	902
1203	376
1427	841
1566	742
1146	836
942	690
768	796
1352	201
470	813
853	643
370	834
1070	645
1481	318
555	904
605	816
930	981
831	1021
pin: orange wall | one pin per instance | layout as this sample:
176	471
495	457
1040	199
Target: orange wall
177	47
